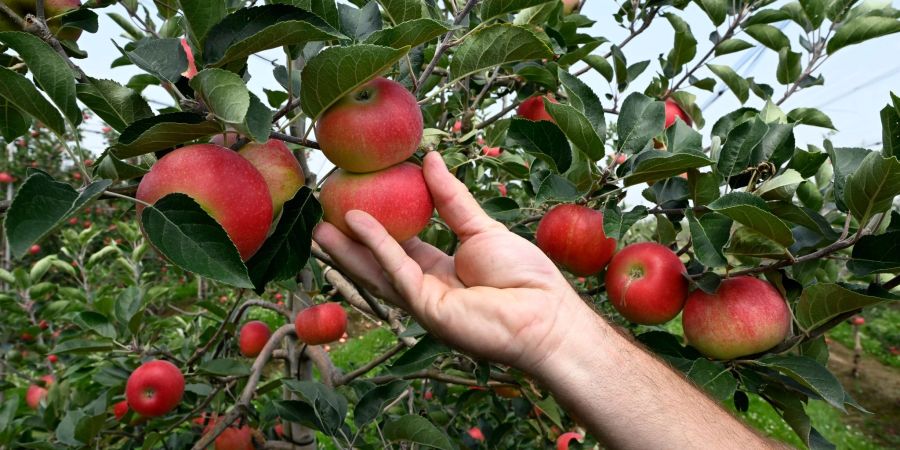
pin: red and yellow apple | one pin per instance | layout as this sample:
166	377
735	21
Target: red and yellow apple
645	283
533	108
36	393
226	186
745	316
397	197
569	6
373	127
674	111
192	65
279	168
321	324
572	236
5	178
253	338
154	388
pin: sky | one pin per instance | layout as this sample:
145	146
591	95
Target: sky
858	79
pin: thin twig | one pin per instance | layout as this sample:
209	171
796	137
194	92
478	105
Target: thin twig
369	365
444	45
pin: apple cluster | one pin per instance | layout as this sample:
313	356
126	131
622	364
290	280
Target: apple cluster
647	282
369	134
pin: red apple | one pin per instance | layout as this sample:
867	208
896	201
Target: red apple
192	66
475	433
562	443
154	388
36	393
27	337
120	409
52	359
279	168
745	316
493	152
533	108
225	185
572	236
428	395
397	197
34	249
858	321
569	7
253	338
279	430
673	111
5	178
321	324
233	438
278	296
457	126
502	189
645	283
374	127
43	324
73	221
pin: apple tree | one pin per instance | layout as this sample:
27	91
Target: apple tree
734	203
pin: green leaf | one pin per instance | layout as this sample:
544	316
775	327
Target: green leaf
329	406
584	99
376	399
257	125
188	237
417	430
601	65
496	45
359	23
767	16
732	45
163	58
685	46
81	346
822	302
494	8
96	322
876	254
781	187
815	11
13	122
890	131
21	93
201	16
226	367
117	105
49	69
747	242
577	128
751	211
641	118
252	30
845	162
742	139
287	249
162	132
810	116
788	69
861	29
872	187
579	54
337	71
326	9
420	356
128	304
110	167
738	85
616	223
768	36
682	138
224	93
714	378
810	374
408	34
41	205
400	11
652	165
543	139
807	163
715	9
709	235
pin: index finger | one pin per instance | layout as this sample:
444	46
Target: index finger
453	201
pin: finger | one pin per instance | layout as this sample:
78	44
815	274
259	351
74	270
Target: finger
404	273
454	202
426	255
355	259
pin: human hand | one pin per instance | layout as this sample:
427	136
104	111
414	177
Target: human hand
499	297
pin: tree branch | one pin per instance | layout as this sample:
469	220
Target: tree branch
294	140
633	34
444	45
344	379
437	375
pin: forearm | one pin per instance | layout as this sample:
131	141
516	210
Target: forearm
629	399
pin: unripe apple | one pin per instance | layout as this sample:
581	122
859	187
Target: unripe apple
645	283
397	197
858	321
233	438
253	338
562	443
192	66
5	178
321	324
225	185
120	409
569	6
154	388
374	127
745	316
673	111
572	236
533	108
279	168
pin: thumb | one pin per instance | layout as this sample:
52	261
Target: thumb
453	201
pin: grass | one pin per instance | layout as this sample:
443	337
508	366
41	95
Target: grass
881	331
